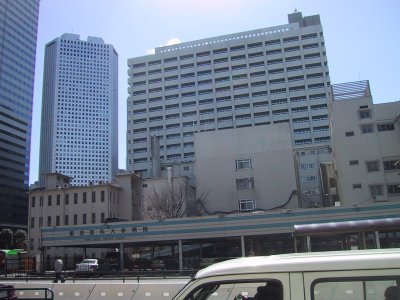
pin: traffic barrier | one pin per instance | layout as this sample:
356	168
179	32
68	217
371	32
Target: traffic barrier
160	291
118	291
75	291
28	291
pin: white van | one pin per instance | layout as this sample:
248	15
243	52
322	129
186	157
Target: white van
341	275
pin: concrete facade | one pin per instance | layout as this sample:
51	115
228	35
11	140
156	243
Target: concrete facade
242	169
366	144
18	31
60	204
266	76
79	131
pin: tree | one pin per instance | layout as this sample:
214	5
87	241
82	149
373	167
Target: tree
6	239
20	239
174	200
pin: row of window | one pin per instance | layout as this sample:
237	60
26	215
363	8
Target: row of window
159	120
230	119
308	141
377	189
233	49
199	74
370	128
228	78
67	199
375	165
297	99
212	90
217	61
57	220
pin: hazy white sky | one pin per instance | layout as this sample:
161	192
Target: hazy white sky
361	37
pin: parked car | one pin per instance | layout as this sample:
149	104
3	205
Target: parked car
165	263
141	263
88	265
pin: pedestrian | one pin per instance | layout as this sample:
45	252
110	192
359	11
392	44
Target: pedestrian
58	267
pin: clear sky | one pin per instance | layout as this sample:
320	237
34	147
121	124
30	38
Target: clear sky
361	37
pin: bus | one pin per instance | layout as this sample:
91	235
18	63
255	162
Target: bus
12	260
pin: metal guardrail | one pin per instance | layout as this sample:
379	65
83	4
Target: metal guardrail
12	293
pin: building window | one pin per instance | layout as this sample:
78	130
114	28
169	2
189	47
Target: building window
93	196
246	205
309	178
385	127
75	198
353	162
245	183
93	218
376	190
314	191
357	186
33	200
49	221
365	114
66	220
32	222
58	199
41	201
84	197
391	165
75	219
393	189
57	220
373	166
83	218
66	199
102	216
349	133
102	196
307	166
243	164
367	128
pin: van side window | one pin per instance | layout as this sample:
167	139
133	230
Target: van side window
232	290
372	288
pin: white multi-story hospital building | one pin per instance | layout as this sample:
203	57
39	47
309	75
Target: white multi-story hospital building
266	76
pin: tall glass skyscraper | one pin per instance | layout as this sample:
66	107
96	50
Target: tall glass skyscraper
79	130
18	31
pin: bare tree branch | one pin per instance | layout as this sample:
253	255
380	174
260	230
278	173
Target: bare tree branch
172	201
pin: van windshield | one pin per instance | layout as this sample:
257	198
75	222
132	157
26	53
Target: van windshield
259	290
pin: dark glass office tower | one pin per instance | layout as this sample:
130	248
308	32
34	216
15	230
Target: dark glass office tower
18	31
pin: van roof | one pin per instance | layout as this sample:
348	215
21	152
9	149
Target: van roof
310	261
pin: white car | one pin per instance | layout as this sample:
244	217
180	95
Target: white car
89	265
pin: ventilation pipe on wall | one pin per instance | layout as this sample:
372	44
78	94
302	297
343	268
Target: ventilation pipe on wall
169	170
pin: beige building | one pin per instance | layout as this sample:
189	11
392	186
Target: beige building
246	169
60	204
366	145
